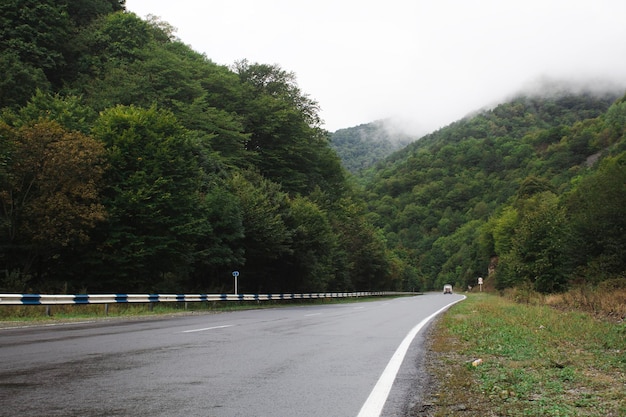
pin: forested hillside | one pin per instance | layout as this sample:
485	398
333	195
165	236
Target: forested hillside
131	163
362	146
532	192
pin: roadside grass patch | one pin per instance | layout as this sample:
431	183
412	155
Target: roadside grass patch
607	299
535	361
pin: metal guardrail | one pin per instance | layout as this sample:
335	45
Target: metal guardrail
56	299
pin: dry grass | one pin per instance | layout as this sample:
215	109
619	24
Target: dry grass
604	301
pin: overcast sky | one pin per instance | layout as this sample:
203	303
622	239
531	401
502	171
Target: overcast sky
426	63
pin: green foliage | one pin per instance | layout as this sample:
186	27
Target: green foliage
367	257
489	174
83	12
596	208
310	265
218	248
68	111
210	168
362	146
21	80
267	239
292	149
535	250
152	195
38	44
36	31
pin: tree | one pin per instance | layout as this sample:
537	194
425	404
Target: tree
267	239
69	111
218	131
537	250
120	36
367	258
596	206
285	131
219	250
153	198
37	31
21	80
309	268
49	195
83	12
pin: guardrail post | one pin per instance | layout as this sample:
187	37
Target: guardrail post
106	309
48	312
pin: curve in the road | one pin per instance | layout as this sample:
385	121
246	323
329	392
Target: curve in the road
374	404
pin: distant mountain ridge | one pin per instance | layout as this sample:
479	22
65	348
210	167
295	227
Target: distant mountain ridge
362	146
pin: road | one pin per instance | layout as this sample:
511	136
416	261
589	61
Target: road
322	360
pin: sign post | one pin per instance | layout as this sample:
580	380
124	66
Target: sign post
480	283
235	275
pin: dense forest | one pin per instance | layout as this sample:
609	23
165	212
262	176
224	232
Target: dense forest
360	147
131	163
530	193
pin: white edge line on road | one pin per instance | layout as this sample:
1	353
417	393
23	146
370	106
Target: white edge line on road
374	404
207	328
312	314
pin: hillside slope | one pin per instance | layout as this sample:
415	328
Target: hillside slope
131	163
362	146
459	200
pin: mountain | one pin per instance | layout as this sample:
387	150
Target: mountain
362	146
484	189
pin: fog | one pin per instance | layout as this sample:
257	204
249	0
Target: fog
422	64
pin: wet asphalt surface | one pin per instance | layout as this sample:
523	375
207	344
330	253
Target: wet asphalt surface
293	361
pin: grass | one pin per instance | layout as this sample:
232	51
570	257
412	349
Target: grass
535	361
606	301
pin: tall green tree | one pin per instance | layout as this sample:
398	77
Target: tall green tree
537	253
153	200
219	250
596	207
20	81
36	31
285	131
310	267
83	12
367	258
267	239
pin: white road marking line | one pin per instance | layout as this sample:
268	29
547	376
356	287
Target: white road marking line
312	314
208	328
374	404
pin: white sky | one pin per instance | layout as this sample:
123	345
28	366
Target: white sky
426	63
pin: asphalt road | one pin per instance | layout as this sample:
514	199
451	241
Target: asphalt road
322	360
